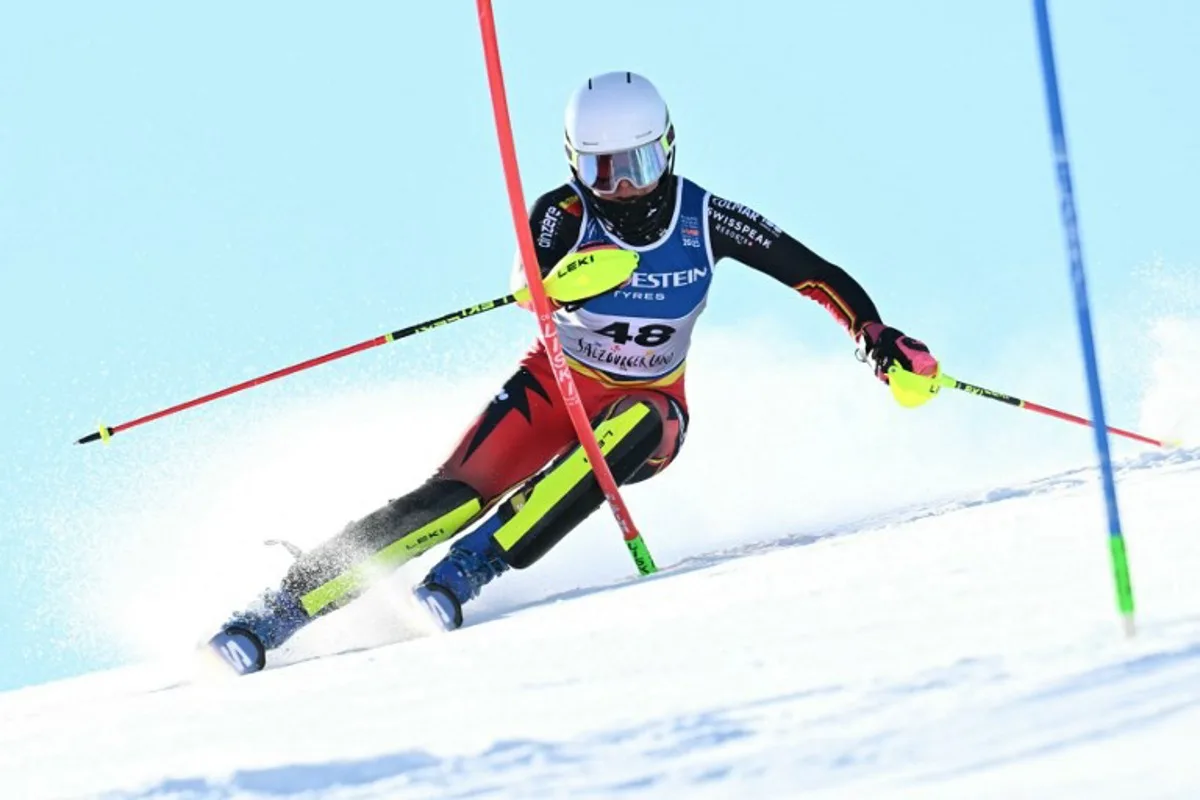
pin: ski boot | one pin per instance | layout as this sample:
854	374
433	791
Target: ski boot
245	639
472	562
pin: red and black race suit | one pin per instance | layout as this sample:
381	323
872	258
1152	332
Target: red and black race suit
526	425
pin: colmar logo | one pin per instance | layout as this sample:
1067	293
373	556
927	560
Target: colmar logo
741	224
748	214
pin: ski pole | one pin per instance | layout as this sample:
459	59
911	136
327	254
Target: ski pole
576	277
912	383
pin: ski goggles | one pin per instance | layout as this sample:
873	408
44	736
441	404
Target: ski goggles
641	166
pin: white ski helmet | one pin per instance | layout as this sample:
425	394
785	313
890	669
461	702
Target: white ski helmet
618	128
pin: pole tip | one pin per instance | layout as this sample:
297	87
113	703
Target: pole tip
103	434
1128	625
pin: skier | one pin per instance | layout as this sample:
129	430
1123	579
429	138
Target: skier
520	458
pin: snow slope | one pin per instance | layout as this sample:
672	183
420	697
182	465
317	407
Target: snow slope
850	607
964	649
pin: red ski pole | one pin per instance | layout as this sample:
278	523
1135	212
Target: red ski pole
106	433
574	278
911	383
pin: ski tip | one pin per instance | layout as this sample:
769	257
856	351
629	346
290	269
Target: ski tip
238	650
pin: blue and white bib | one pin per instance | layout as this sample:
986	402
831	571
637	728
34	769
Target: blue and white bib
643	330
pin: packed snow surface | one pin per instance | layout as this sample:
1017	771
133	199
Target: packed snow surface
855	600
966	649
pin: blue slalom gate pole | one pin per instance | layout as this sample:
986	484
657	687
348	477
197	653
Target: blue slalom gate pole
1070	221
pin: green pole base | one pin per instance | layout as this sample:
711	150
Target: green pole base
1120	562
641	555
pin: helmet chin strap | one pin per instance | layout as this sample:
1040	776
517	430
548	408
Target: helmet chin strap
639	220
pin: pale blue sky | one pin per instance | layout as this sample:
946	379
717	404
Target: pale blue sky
192	195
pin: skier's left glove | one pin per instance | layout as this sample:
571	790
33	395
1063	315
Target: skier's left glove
884	346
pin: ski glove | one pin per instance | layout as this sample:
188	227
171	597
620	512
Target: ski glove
884	346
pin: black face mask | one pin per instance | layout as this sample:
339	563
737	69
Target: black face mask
640	220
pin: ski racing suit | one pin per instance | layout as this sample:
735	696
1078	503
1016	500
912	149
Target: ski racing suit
628	349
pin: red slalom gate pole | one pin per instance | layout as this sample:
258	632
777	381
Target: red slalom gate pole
549	334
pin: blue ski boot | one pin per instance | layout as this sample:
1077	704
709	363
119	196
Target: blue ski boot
245	639
472	562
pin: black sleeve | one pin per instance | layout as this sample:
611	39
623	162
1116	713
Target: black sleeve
746	236
555	221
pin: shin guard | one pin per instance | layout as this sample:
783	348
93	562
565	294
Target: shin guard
542	512
341	569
